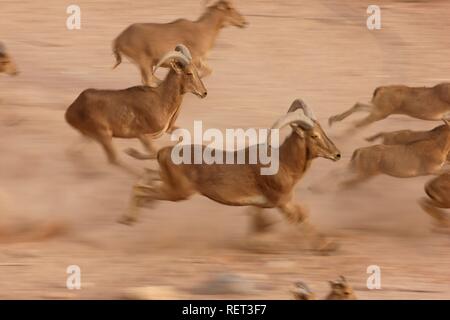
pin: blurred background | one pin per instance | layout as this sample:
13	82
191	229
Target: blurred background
56	211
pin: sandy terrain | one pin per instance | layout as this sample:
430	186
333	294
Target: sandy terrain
318	50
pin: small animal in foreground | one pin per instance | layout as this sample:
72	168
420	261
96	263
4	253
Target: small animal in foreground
340	290
438	191
417	158
146	43
243	184
426	103
138	112
7	64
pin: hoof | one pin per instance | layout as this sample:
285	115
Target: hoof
127	220
326	246
133	153
331	121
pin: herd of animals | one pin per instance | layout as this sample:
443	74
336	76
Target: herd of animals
149	111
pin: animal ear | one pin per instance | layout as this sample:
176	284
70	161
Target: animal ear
176	66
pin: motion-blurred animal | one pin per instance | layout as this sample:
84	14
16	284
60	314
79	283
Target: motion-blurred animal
145	43
137	112
340	290
403	137
426	103
417	158
243	184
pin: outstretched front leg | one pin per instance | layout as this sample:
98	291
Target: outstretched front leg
258	222
356	108
146	141
295	214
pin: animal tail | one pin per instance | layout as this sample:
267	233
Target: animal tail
116	53
374	137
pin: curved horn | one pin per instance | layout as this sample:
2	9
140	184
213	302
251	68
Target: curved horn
184	50
297	117
173	55
300	104
343	279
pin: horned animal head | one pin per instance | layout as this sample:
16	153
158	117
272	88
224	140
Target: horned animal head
180	61
341	290
231	15
303	122
7	65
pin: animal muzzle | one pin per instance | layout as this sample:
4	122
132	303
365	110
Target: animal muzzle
201	94
334	156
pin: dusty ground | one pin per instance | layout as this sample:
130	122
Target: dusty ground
318	50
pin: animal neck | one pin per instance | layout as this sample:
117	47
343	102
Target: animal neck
171	91
295	156
210	23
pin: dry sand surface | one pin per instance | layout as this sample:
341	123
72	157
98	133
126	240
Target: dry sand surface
56	211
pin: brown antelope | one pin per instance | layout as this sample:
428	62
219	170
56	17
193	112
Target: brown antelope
146	43
340	290
417	158
7	64
438	191
243	185
403	137
426	103
137	112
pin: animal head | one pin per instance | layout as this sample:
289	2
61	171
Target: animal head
7	65
341	290
305	125
180	61
231	15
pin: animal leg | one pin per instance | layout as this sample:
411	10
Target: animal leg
148	145
259	223
372	117
105	139
145	195
357	107
295	214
